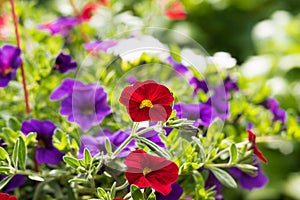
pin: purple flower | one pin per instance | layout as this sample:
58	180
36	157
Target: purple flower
201	113
230	84
63	63
131	79
17	181
248	181
97	144
45	151
100	45
175	193
198	85
272	105
85	105
10	60
180	68
61	25
212	181
2	143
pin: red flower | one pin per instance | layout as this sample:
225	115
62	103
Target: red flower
147	101
4	29
144	170
257	152
87	11
104	2
175	11
4	196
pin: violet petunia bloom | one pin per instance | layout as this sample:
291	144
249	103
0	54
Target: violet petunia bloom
179	67
10	61
17	181
175	193
273	106
61	26
230	84
96	144
2	143
131	79
198	85
100	45
201	113
83	104
45	151
63	63
248	181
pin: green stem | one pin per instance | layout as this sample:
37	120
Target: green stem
221	165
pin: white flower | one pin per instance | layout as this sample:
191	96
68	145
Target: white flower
223	60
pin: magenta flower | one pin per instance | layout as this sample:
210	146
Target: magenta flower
17	181
61	26
10	60
63	63
100	45
83	104
45	151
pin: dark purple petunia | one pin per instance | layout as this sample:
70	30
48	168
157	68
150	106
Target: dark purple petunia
248	181
179	67
61	26
100	45
175	193
10	60
45	151
272	105
230	84
63	63
201	113
17	181
83	104
198	85
212	181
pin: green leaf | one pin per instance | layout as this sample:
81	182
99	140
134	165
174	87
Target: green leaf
136	193
113	190
3	154
154	147
101	193
60	140
5	181
31	137
233	154
15	154
14	123
22	153
77	180
10	135
224	177
87	157
215	127
73	162
108	146
36	178
151	197
4	169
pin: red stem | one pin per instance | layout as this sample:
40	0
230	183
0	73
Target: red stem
15	18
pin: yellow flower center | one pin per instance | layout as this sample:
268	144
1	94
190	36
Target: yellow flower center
146	103
146	171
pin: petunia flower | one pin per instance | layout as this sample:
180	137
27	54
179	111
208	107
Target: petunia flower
230	84
145	170
176	11
10	61
17	181
45	151
83	104
87	11
63	63
147	100
175	193
4	196
100	45
131	79
2	143
248	181
4	28
273	106
257	152
61	26
179	67
104	2
201	113
198	85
